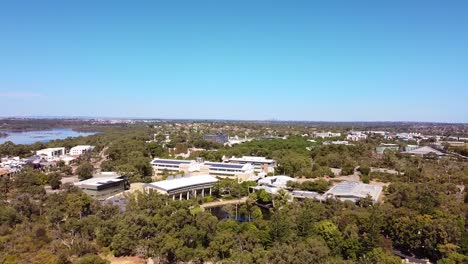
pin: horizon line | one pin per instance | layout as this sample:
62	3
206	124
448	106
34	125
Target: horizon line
232	120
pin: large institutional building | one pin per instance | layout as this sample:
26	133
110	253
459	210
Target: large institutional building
354	191
241	172
183	188
80	150
103	185
51	152
261	164
161	166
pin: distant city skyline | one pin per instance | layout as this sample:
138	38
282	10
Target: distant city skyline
242	60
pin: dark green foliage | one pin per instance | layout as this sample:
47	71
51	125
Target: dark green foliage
291	154
365	170
30	182
54	180
85	171
424	212
320	185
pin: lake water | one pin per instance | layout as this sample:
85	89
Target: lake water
31	137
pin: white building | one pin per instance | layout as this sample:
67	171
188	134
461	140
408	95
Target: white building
173	165
80	150
68	159
408	136
356	136
354	191
259	163
241	172
13	164
337	142
273	184
51	152
183	187
102	186
279	181
326	134
236	140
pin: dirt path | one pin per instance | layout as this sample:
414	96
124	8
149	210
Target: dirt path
126	260
103	157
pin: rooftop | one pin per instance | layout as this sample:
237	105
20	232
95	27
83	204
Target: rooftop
99	181
275	181
51	149
251	159
183	182
224	165
82	147
171	161
355	189
424	150
106	174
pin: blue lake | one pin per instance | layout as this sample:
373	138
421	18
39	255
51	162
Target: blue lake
31	137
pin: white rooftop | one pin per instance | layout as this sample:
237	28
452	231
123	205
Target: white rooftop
168	185
82	147
355	190
252	159
275	181
50	149
97	181
106	174
424	150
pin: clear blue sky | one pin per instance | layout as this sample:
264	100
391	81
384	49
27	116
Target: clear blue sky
287	60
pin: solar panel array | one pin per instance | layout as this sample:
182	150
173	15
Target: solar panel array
225	165
172	162
345	187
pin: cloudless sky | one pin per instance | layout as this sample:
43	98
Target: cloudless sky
286	60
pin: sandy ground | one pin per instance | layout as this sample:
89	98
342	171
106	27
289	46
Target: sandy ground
126	260
137	186
70	179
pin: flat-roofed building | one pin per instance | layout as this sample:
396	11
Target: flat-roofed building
424	151
356	136
337	142
259	163
411	147
51	152
272	184
181	188
354	191
100	187
80	150
218	138
279	181
326	134
241	172
392	147
173	165
68	159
